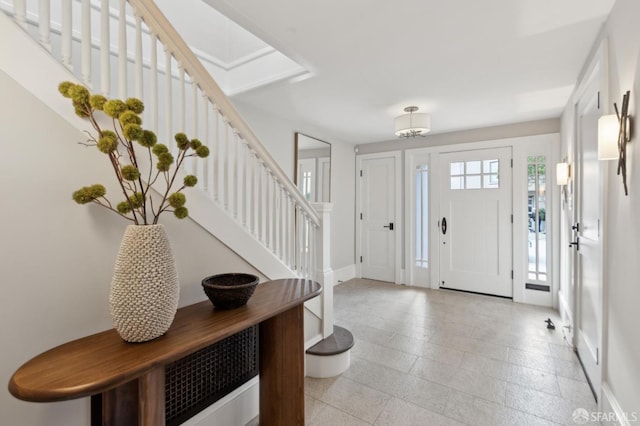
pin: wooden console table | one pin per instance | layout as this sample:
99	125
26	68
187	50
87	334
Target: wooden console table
130	376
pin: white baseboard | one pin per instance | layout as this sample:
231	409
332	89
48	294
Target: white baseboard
236	409
344	274
611	412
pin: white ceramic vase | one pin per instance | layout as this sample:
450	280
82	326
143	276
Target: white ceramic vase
144	290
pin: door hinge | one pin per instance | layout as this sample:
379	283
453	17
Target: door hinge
512	274
512	163
360	216
360	173
511	218
597	356
360	259
598	100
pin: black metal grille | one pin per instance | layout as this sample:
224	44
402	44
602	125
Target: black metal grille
200	379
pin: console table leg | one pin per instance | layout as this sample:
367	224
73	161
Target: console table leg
282	369
136	403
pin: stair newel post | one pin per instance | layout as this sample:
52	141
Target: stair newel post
105	49
85	35
323	271
44	23
122	50
65	34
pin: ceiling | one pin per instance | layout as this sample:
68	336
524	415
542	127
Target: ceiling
468	63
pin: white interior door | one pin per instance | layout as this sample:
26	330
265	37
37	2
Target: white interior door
378	221
588	250
475	224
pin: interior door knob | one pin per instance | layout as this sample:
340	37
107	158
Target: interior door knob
390	226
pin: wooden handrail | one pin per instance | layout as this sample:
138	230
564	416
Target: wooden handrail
175	44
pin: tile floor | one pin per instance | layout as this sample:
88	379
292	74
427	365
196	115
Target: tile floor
437	357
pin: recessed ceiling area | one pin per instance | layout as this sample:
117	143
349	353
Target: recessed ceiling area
237	59
469	64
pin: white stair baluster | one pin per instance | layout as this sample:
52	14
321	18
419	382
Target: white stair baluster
138	59
235	184
153	83
225	160
122	50
44	23
181	100
85	35
168	102
105	49
65	34
20	12
215	169
204	170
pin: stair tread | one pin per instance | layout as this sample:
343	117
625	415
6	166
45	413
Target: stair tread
339	342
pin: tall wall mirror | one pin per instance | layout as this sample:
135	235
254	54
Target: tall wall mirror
313	168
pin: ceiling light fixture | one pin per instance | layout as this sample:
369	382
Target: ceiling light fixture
412	124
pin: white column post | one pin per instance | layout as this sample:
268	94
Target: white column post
324	272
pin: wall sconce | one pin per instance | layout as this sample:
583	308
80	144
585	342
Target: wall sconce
562	174
614	132
608	128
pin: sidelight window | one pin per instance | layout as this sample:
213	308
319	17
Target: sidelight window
422	216
537	217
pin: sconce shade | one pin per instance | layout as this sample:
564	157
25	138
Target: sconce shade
608	130
562	173
412	124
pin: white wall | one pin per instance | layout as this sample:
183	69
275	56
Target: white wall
277	134
57	257
621	369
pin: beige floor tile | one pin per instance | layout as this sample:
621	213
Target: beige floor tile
402	413
353	398
544	405
489	366
534	379
387	357
436	357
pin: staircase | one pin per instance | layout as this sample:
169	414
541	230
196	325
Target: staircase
127	48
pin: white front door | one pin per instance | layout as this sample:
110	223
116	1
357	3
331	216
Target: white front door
475	223
588	250
378	218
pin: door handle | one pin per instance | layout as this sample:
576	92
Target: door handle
390	226
443	226
576	227
575	244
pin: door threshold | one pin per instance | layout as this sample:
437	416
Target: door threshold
476	292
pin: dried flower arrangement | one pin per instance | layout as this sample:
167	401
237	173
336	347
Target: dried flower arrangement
118	145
